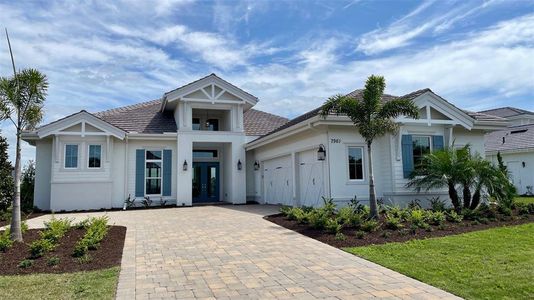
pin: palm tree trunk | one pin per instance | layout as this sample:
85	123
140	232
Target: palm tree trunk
16	233
467	196
476	199
372	193
453	194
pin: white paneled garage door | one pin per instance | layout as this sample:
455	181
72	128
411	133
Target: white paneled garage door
277	181
311	179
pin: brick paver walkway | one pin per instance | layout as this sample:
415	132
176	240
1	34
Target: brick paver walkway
230	252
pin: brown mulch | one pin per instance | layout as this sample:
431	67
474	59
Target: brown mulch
24	217
400	235
108	254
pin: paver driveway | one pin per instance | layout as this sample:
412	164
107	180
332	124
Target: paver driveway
232	252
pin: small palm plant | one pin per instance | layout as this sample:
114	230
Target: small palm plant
373	118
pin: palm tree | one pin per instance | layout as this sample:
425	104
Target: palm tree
21	102
372	117
444	168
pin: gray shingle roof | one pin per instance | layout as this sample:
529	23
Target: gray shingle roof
258	123
505	112
515	138
143	117
146	117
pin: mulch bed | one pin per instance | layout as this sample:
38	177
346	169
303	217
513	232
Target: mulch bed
377	237
108	254
24	217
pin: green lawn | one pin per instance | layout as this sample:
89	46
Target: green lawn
99	284
497	263
525	200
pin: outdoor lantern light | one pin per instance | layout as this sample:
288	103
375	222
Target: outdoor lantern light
256	165
184	167
239	165
321	153
524	164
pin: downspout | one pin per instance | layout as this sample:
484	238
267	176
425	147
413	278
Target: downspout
125	166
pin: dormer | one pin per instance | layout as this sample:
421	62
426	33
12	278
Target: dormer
208	104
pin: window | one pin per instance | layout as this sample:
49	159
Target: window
212	125
355	163
421	147
153	172
196	124
95	156
71	156
205	154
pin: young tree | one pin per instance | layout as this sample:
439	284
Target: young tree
6	178
372	117
21	102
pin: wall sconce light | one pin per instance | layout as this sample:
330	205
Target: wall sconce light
184	167
239	165
256	165
524	164
321	153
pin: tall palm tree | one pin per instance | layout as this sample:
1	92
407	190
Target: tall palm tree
372	117
21	102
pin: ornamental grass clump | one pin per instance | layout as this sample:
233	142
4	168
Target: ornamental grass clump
96	231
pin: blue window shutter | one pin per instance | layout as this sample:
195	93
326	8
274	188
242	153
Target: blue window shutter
407	155
437	142
140	173
167	172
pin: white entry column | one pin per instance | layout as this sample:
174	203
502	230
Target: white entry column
184	186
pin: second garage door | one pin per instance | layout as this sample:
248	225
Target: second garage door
311	182
277	181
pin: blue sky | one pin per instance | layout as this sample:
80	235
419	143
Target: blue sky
290	54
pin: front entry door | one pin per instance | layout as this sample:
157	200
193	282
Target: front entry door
205	182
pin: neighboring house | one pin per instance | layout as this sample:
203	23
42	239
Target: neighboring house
516	145
515	116
204	142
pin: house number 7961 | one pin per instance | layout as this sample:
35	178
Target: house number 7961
335	141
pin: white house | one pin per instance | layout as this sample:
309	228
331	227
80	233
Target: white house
204	142
516	145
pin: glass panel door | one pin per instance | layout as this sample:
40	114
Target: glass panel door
205	182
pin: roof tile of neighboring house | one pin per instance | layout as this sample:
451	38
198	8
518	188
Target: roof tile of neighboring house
146	117
505	112
515	138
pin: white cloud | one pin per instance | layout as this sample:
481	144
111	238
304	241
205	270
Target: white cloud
430	17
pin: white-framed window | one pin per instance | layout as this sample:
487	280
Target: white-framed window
422	145
355	162
71	156
153	172
94	156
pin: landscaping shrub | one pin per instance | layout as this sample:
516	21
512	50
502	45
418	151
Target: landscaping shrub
486	211
96	231
318	219
55	229
39	247
283	210
328	206
24	227
332	226
436	218
293	212
5	240
26	263
470	214
360	234
530	207
359	208
357	219
53	261
340	236
344	215
414	204
504	210
84	223
386	234
417	218
84	259
392	222
437	205
454	217
397	212
370	226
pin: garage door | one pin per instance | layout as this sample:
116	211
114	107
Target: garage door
277	181
311	179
